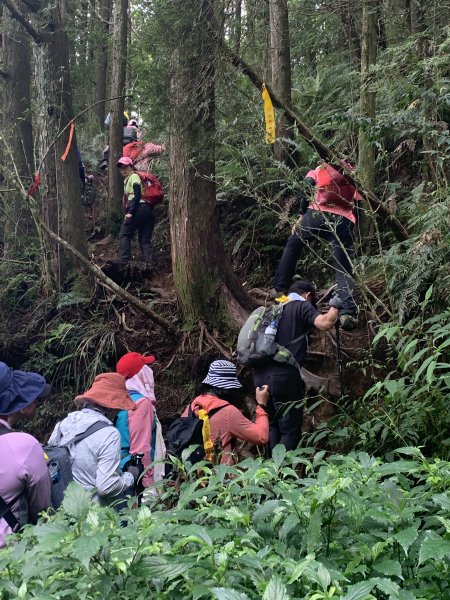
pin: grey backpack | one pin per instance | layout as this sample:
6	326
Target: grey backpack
256	343
60	462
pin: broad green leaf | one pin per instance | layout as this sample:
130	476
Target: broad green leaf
324	577
276	590
268	508
300	568
360	591
389	568
84	548
314	532
77	501
400	466
228	594
433	546
406	537
442	500
160	567
278	455
387	586
410	451
290	523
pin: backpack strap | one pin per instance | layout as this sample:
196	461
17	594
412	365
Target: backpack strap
89	431
7	514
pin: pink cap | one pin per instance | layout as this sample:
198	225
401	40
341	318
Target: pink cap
125	160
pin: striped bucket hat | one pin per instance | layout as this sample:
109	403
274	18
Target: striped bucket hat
222	374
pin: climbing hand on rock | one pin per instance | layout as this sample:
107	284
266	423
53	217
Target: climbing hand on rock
336	302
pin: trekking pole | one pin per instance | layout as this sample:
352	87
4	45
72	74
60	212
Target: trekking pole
339	359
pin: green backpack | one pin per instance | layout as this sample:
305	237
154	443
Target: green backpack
256	343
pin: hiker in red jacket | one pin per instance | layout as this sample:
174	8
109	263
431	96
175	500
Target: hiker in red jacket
228	424
330	216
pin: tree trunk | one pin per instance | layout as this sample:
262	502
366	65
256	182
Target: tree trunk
366	159
204	280
101	59
350	29
17	131
60	183
280	58
118	79
366	165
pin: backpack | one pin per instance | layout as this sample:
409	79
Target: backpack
254	347
189	431
152	191
59	462
129	135
333	188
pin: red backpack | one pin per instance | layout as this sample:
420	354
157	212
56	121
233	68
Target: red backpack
152	191
333	188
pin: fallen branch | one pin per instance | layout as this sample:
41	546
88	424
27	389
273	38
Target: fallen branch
322	149
95	270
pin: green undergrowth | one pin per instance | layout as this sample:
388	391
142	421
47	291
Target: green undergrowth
348	527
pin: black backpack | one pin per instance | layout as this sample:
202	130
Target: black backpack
185	432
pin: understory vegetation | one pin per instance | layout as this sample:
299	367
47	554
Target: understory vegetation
343	527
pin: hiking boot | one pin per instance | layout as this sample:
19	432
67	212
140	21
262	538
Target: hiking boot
274	294
348	322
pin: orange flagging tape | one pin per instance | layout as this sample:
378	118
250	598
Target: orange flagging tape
66	151
35	184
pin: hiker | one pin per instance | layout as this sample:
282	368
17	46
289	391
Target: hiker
129	136
284	380
140	430
139	214
220	390
96	459
25	485
330	217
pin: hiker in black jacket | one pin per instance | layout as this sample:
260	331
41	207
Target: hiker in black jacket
285	383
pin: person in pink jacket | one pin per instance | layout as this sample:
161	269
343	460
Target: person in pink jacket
220	389
25	484
139	429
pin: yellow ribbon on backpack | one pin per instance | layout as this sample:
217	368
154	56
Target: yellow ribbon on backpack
269	115
206	433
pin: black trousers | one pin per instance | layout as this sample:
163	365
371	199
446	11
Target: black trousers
285	409
336	230
144	222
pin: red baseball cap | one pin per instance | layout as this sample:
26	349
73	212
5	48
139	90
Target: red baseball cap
131	363
125	160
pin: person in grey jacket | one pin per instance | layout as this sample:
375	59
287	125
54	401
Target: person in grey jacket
96	459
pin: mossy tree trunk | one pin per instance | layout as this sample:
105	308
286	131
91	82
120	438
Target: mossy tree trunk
280	58
366	157
60	183
101	59
207	288
117	91
17	133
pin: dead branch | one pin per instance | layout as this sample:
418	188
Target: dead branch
38	36
322	149
94	269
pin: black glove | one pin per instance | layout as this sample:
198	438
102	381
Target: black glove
135	471
336	302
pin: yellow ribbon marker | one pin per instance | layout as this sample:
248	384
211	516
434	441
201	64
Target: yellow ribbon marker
206	433
269	115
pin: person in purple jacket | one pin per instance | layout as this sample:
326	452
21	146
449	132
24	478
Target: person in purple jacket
25	484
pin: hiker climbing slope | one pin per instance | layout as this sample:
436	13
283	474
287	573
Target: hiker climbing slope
329	217
286	387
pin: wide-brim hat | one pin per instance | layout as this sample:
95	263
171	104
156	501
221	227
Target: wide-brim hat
132	362
222	374
109	391
19	389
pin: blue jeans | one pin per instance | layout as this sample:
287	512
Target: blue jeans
336	230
